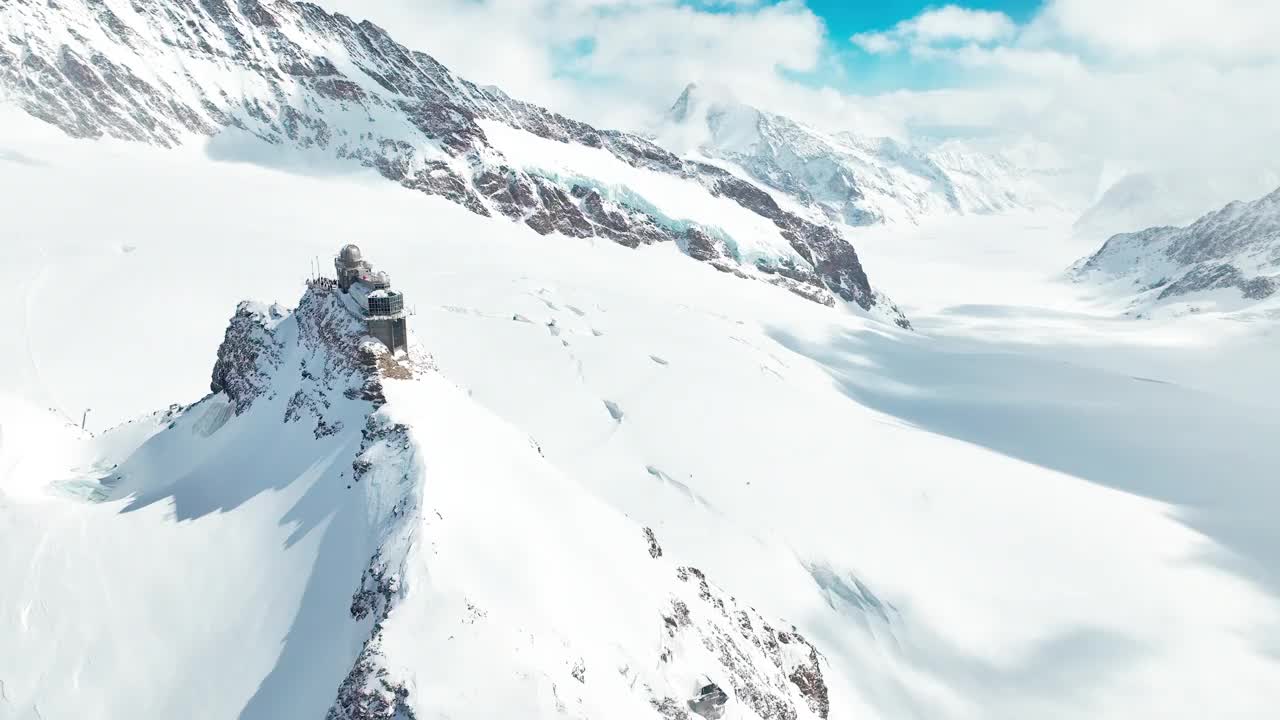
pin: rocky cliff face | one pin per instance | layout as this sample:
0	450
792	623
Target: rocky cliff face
292	74
1236	248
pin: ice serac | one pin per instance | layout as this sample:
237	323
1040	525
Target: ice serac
452	537
297	77
1235	250
857	179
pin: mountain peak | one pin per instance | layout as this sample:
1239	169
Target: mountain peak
851	178
449	535
680	108
321	79
1235	249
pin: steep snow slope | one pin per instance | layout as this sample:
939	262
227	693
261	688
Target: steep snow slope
292	75
855	179
1226	260
963	525
424	528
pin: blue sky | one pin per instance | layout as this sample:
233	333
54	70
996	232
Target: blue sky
856	71
1121	79
844	18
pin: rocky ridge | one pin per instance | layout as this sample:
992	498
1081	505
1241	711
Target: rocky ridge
1236	248
294	75
313	365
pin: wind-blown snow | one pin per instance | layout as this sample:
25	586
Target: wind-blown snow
1027	510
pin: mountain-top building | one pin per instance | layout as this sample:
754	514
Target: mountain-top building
381	307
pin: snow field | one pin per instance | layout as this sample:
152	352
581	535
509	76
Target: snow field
971	522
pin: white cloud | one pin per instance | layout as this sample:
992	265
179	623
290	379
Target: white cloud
877	43
940	25
1221	30
956	23
610	62
1142	84
1146	84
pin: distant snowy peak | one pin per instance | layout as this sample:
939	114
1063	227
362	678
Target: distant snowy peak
545	600
1233	253
297	77
1167	198
853	179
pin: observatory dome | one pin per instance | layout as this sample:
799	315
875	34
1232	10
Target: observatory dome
350	254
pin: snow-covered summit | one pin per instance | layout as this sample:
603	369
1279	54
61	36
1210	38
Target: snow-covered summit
1228	258
445	535
854	179
253	74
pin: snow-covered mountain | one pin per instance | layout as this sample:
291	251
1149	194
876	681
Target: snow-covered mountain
1228	259
855	179
297	77
481	582
998	520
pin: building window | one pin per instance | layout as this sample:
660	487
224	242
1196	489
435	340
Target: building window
389	305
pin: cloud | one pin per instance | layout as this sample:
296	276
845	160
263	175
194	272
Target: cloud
1127	83
940	25
1132	83
611	62
1221	31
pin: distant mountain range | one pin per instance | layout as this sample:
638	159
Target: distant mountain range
863	180
1232	254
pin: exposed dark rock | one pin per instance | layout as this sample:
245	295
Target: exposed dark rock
669	709
655	550
376	432
1259	288
368	693
1204	278
557	212
377	588
770	689
249	351
1214	277
808	679
701	246
835	262
512	193
339	89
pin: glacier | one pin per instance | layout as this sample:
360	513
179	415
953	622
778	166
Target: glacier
1003	513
